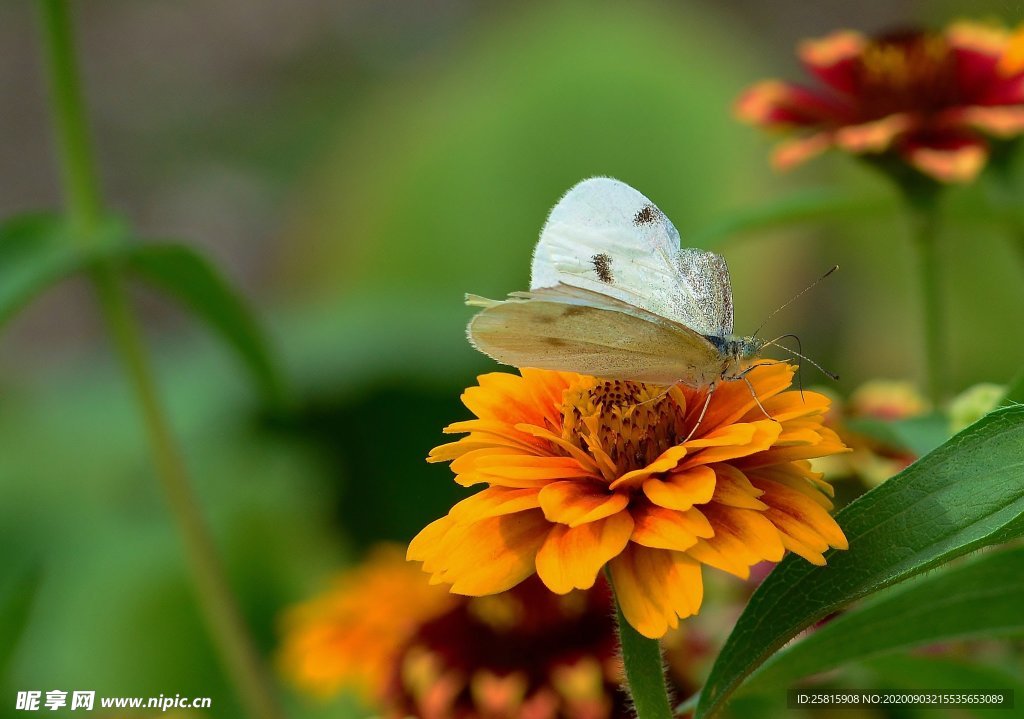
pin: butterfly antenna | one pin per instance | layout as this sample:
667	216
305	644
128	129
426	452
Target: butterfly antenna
801	355
795	297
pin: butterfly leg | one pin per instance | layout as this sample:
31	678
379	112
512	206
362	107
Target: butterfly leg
753	393
703	411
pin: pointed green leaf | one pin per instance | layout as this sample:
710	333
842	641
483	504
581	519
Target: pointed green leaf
967	494
34	254
980	598
37	250
183	273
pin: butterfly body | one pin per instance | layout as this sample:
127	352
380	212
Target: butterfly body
614	296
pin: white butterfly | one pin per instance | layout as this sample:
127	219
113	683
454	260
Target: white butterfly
613	295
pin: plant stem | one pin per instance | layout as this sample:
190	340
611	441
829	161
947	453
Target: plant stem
218	604
924	233
645	671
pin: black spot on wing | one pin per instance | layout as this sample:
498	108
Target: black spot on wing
646	216
603	267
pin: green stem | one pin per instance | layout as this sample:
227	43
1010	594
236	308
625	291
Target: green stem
1001	194
924	233
76	157
218	604
645	671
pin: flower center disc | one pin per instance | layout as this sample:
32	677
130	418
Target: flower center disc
907	71
631	422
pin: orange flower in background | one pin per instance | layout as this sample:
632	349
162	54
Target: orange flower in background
413	649
581	473
932	100
348	636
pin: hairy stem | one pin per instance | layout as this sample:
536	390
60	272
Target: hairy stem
85	211
645	671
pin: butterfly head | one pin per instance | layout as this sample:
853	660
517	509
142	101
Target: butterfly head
735	352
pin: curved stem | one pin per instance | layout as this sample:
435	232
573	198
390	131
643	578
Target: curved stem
218	604
924	226
645	671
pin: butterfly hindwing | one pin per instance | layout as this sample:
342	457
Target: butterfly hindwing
573	333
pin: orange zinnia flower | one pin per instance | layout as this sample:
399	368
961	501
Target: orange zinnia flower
349	635
929	99
582	472
412	649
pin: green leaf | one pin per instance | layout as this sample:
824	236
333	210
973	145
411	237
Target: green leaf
980	598
34	254
186	275
928	674
808	206
16	599
919	435
37	250
967	494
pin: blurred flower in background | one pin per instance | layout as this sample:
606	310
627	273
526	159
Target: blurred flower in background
582	472
872	460
974	403
410	648
930	99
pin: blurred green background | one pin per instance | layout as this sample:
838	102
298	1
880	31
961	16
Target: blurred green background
355	168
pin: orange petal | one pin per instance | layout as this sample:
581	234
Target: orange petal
662	528
737	440
488	556
794	509
798	150
507	398
423	546
493	502
732	400
682	490
585	460
982	37
526	467
956	161
667	460
875	136
1012	60
743	537
483	432
829	443
571	557
578	502
1000	121
807	483
835	58
790	405
655	587
733	489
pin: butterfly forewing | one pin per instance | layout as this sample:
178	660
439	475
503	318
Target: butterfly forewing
606	237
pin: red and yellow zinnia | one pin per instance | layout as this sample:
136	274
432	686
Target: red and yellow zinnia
581	473
933	100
